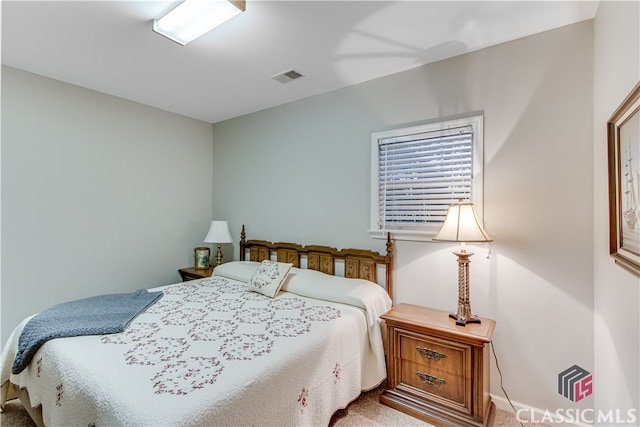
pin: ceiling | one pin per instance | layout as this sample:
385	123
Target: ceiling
108	46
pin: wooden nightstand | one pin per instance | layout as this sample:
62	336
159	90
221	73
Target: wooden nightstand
437	371
191	273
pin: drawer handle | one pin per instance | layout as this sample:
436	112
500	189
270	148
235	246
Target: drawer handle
430	379
427	353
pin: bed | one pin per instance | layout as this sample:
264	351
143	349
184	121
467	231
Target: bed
222	350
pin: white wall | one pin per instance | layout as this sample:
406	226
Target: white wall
99	194
617	293
300	172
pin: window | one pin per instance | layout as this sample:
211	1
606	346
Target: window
417	172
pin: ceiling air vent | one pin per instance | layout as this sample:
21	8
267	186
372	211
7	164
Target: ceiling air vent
287	76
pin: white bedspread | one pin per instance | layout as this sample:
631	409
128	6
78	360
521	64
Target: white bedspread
210	353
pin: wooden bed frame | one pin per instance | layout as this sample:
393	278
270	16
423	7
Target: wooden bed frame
358	263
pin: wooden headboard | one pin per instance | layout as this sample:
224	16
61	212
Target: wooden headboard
358	263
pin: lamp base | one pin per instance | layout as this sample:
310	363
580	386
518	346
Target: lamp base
462	321
219	255
464	316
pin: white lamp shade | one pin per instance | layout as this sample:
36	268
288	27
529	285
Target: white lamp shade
462	225
192	18
218	233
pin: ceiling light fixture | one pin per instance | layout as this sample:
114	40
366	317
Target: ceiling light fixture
192	18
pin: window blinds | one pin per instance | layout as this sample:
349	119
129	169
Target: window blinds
420	175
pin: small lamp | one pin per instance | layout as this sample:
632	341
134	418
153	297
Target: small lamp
218	233
462	225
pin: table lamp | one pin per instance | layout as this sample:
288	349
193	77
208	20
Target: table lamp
462	225
218	233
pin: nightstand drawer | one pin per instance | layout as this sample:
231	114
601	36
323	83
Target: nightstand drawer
447	387
437	354
437	367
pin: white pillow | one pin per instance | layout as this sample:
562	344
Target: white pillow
269	277
237	270
352	291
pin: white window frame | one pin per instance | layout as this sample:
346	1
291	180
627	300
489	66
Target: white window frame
427	231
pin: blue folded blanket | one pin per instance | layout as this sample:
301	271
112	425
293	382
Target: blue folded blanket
103	314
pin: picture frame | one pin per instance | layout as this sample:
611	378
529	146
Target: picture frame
623	143
201	258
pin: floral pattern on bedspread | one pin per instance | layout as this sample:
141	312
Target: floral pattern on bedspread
206	349
240	325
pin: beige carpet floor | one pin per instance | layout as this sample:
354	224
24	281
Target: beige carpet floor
365	411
